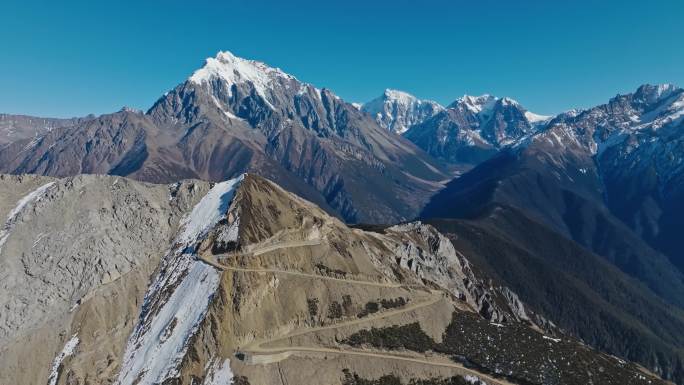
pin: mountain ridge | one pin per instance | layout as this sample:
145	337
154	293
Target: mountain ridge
235	115
228	255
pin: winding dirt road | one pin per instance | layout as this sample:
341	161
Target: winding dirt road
261	353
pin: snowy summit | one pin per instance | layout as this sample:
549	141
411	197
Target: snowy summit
397	110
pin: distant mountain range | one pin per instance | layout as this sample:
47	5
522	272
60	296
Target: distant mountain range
235	115
578	215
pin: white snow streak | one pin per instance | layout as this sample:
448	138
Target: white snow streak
34	196
474	380
219	374
68	350
552	339
177	301
208	211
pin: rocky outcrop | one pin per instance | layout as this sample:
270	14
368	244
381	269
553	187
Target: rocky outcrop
432	257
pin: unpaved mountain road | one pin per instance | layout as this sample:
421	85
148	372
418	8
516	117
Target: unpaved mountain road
210	259
261	354
299	274
268	248
272	355
435	297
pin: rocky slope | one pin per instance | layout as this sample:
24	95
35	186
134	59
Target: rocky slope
397	111
568	177
235	115
18	127
579	291
76	257
608	178
251	284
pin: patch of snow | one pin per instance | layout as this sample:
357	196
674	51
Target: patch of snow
68	350
34	196
219	374
306	89
613	139
33	143
178	299
552	339
474	380
535	118
208	211
228	114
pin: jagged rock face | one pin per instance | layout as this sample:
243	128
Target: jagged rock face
472	129
397	111
432	257
276	307
236	115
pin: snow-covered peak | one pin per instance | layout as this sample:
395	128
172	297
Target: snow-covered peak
670	111
506	101
399	96
483	105
398	110
477	104
649	93
236	70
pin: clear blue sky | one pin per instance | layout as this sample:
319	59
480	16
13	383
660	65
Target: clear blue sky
69	58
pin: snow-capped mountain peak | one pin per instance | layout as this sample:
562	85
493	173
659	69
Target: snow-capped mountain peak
235	70
655	93
506	101
398	110
399	96
476	104
483	105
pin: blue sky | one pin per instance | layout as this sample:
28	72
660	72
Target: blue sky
70	58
